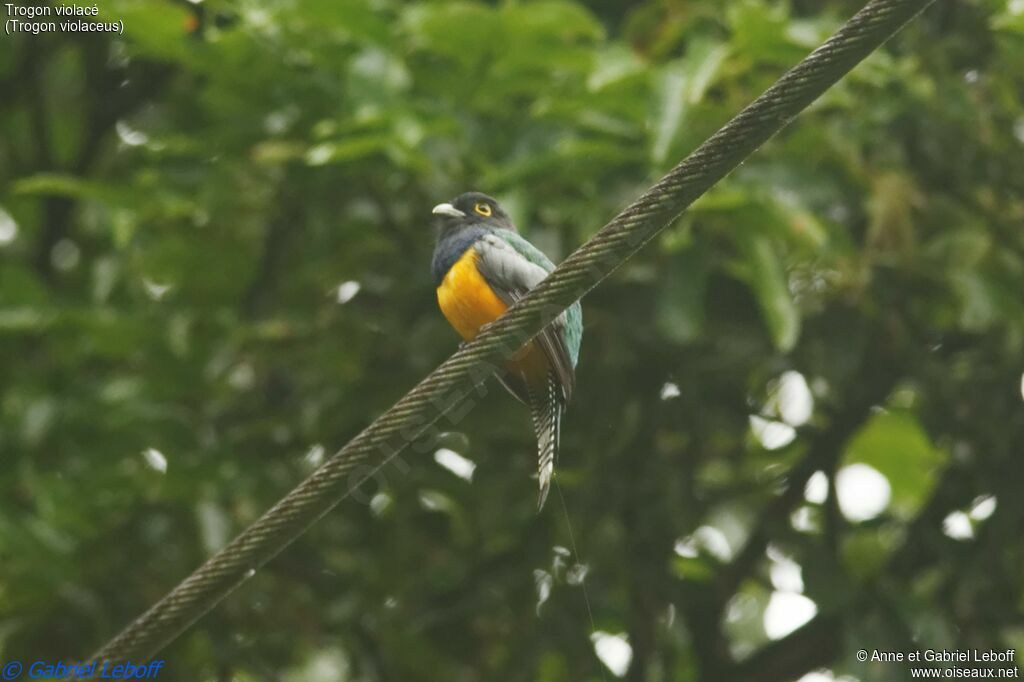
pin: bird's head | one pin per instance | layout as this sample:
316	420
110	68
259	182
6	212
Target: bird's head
472	209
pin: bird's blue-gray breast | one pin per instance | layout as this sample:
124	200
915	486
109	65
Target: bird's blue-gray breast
450	247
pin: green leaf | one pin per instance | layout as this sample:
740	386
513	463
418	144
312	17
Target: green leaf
24	319
56	184
696	569
1011	20
796	221
155	28
963	248
984	301
357	19
866	550
895	444
760	32
767	277
20	287
680	303
214	525
893	197
431	27
552	21
680	85
346	151
611	66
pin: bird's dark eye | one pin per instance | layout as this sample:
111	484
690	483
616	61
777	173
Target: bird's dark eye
483	209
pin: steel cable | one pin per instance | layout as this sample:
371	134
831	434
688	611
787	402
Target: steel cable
453	383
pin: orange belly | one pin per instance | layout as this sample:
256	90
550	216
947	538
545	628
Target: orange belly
468	303
466	298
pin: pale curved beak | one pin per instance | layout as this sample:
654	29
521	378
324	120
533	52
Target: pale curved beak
448	210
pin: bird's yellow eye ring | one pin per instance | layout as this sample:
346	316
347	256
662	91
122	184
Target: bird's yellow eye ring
483	209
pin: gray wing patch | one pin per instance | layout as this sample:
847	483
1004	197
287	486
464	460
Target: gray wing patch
511	275
505	267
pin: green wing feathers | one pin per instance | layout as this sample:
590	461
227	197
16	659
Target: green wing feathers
512	266
571	324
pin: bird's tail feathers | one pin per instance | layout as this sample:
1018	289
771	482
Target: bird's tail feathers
546	410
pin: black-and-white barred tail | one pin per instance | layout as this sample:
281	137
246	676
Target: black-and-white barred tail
546	409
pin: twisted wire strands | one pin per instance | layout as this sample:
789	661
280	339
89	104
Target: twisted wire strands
457	379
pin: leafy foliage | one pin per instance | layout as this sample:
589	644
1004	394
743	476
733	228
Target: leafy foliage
214	247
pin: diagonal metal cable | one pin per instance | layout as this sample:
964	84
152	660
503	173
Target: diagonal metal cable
453	383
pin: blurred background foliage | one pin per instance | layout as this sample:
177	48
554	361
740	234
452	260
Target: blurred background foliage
798	424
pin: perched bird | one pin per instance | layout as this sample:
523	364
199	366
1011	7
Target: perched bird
482	266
